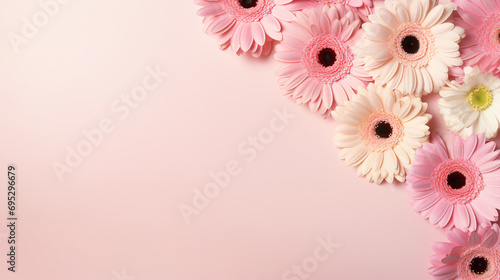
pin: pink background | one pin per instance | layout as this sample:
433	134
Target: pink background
117	212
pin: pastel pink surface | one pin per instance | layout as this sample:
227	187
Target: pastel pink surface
119	207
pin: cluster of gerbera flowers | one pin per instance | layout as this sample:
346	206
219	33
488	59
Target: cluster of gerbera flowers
368	64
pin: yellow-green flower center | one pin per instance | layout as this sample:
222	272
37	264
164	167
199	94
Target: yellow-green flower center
480	97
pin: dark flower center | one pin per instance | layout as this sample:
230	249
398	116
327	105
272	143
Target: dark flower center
410	44
479	265
456	180
247	4
327	57
383	129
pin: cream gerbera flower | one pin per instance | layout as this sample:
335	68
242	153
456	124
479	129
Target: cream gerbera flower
379	131
472	107
410	46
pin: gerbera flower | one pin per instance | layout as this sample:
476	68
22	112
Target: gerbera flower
317	52
457	189
472	107
379	131
410	46
481	46
362	7
467	256
245	25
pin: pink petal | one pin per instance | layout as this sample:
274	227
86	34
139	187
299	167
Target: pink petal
355	3
438	211
307	86
270	23
324	23
336	27
293	43
289	70
490	240
458	250
299	33
458	237
444	270
472	216
272	27
258	33
462	220
488	157
450	259
470	13
490	199
481	209
283	14
492	180
422	171
288	56
489	166
235	40
313	87
339	94
435	260
471	8
470	146
220	24
314	105
446	218
295	80
282	2
490	5
347	88
458	147
442	247
424	204
246	38
327	96
421	195
474	239
346	33
211	10
485	154
422	185
432	159
440	148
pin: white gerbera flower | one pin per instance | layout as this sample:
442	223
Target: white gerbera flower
379	131
410	46
472	107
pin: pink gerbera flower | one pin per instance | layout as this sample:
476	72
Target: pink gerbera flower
468	256
460	188
362	7
481	21
245	25
319	62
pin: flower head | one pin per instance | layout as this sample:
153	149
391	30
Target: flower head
481	21
379	131
245	25
410	46
319	64
458	188
472	107
468	255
